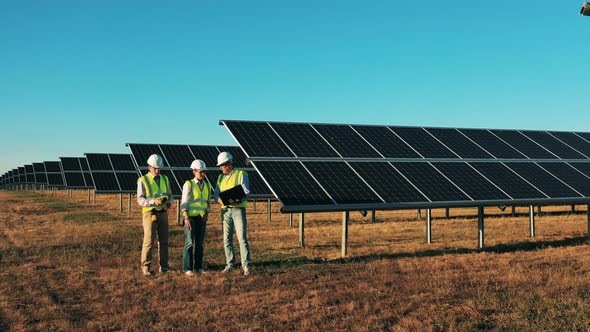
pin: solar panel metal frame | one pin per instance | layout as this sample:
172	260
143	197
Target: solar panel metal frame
112	171
77	170
411	205
54	174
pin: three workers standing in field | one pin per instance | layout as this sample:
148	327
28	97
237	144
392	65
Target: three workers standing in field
154	195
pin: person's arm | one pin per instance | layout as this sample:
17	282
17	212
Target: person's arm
141	199
216	193
245	186
185	196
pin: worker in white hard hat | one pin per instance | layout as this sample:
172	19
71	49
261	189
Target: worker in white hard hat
195	204
233	215
154	194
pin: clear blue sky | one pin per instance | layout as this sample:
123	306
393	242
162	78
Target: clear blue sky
90	76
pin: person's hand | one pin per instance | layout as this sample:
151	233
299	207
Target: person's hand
158	201
168	205
187	223
219	201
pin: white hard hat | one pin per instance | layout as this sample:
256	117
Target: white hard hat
224	157
198	164
155	161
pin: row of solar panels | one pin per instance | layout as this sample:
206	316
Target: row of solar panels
333	167
118	173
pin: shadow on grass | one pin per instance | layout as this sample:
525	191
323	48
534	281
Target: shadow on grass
487	216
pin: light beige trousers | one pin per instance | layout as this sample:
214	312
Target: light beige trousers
152	232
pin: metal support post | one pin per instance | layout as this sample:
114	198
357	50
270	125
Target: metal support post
419	213
302	230
268	210
290	219
178	211
129	205
373	216
539	212
588	214
88	196
254	206
480	227
428	225
447	213
573	207
344	250
121	202
94	198
532	220
514	211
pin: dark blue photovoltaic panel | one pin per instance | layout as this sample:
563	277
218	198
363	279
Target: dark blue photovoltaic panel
177	155
542	180
183	175
206	153
430	182
52	167
582	167
122	162
74	180
127	181
459	143
70	164
523	144
176	188
258	139
471	182
304	140
55	180
84	163
88	179
386	142
30	178
573	140
257	185
492	144
99	162
507	180
553	144
141	153
346	141
387	182
39	167
40	178
212	176
339	180
423	142
29	169
292	183
585	136
569	175
105	182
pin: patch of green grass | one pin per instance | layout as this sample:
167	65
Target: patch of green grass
61	206
90	217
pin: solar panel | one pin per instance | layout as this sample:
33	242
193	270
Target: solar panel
73	174
74	180
40	175
70	164
177	155
141	153
52	167
55	180
121	162
54	173
99	162
385	167
105	182
111	173
239	158
206	153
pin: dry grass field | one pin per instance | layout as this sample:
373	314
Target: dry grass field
66	265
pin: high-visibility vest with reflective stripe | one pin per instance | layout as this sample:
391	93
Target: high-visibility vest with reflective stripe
198	202
153	191
235	179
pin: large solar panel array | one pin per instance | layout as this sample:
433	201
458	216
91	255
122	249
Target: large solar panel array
177	160
332	167
112	172
40	173
76	173
54	174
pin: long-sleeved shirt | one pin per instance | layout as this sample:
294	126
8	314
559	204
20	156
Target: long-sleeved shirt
141	192
186	194
245	185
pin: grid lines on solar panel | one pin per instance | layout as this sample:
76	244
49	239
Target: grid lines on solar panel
423	142
507	180
574	141
257	185
88	179
54	179
30	178
206	153
582	167
105	182
183	175
523	144
258	139
177	155
122	162
39	167
544	181
127	181
566	173
554	145
74	180
84	163
239	158
141	153
346	141
176	188
471	182
292	183
585	136
212	176
29	169
41	178
459	143
70	164
387	182
492	144
52	167
303	140
99	162
340	181
386	142
430	182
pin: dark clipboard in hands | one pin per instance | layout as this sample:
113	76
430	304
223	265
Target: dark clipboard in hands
234	193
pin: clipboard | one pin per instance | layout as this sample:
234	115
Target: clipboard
234	193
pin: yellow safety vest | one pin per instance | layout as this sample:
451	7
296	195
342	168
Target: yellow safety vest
235	179
153	191
197	204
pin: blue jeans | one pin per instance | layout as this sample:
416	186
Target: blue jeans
235	218
194	243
